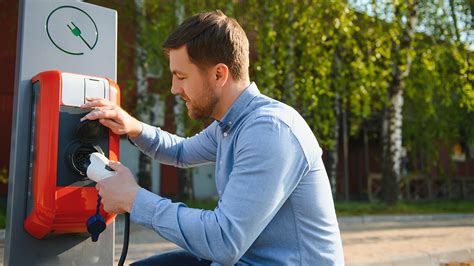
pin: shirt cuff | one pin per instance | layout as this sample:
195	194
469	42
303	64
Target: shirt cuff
143	207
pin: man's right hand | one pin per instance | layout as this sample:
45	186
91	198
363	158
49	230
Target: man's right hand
112	116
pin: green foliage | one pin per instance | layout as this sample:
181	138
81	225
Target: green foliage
434	111
310	54
351	208
202	204
3	175
3	217
439	91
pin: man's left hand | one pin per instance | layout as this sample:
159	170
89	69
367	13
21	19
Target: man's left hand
118	192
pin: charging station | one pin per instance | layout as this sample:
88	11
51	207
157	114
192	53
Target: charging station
61	197
66	51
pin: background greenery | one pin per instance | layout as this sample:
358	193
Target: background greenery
345	208
402	70
352	208
341	64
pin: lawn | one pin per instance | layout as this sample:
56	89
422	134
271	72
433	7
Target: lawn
3	217
352	208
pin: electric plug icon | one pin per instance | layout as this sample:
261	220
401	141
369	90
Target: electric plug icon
77	32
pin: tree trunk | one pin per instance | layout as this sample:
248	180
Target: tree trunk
366	153
452	6
334	153
392	145
401	51
345	152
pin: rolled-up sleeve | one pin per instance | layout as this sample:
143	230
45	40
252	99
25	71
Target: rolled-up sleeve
258	186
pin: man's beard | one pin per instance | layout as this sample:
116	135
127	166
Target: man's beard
206	105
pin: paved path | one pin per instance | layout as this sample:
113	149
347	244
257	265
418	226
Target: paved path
369	240
409	243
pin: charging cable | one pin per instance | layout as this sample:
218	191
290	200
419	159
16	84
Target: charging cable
97	170
126	235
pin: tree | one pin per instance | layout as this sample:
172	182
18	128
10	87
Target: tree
439	90
340	65
405	16
310	54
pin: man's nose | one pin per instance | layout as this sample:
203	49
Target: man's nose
176	89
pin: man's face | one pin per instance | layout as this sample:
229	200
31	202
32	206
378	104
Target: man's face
192	84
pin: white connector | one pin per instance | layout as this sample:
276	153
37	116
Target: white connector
99	168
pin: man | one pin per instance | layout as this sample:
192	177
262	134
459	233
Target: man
275	204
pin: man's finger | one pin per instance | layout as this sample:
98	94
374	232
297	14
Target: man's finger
100	113
96	102
94	98
110	123
89	116
117	167
90	104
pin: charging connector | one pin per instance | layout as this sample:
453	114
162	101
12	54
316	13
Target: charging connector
98	170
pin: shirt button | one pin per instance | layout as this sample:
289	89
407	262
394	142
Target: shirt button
225	134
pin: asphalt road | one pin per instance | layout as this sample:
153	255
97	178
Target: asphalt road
368	240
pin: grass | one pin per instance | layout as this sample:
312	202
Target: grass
202	204
351	208
3	217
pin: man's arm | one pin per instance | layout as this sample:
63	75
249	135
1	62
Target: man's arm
170	149
161	145
269	164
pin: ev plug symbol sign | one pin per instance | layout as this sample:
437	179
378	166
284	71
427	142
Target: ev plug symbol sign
72	30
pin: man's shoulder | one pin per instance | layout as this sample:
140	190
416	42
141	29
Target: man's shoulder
266	107
283	115
280	115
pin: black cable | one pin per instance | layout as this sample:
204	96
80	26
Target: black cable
126	235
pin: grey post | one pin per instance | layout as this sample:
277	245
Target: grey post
46	41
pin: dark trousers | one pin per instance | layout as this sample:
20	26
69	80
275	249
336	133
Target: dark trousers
174	258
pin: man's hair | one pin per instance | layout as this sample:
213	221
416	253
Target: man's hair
212	38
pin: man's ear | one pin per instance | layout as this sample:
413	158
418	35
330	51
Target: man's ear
221	74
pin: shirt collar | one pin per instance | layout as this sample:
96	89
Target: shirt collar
238	106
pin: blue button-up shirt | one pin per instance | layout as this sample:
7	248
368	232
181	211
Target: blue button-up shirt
275	205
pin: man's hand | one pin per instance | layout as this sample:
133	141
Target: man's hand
112	116
118	192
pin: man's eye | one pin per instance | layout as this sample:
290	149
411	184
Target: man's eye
178	77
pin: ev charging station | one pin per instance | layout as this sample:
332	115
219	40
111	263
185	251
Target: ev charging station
66	51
